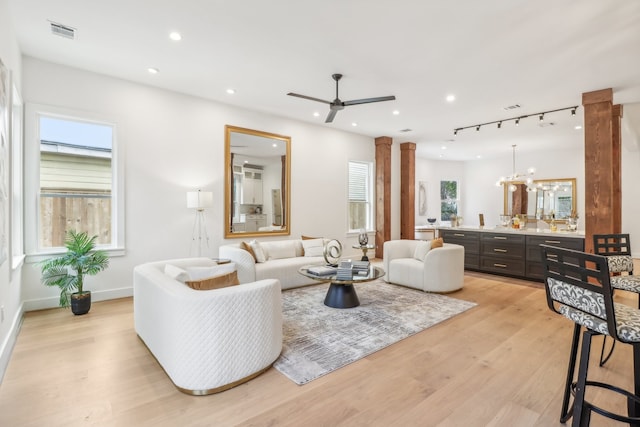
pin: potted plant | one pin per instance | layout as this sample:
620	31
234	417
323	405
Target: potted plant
67	271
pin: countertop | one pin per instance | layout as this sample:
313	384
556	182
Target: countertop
526	231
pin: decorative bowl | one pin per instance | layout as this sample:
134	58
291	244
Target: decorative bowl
431	220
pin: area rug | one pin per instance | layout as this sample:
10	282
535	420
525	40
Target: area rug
319	339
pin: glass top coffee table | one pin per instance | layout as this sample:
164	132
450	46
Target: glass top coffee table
342	293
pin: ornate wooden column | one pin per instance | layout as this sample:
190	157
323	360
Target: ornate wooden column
603	197
383	192
407	190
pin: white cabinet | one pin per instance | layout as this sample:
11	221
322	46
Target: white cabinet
251	191
253	222
252	187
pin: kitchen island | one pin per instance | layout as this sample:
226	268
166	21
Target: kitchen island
507	251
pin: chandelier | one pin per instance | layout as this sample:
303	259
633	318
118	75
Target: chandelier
517	178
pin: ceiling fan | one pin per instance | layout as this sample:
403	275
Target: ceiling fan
337	105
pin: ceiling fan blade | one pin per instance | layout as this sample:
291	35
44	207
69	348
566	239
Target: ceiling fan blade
332	114
308	97
369	100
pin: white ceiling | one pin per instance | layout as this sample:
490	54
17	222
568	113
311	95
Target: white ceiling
491	54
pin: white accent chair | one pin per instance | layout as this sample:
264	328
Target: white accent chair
413	264
207	341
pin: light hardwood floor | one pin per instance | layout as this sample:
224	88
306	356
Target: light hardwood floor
501	363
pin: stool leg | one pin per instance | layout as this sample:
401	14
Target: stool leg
567	410
603	358
634	410
581	411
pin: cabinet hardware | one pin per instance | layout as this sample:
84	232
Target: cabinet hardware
557	242
500	250
500	265
458	234
499	237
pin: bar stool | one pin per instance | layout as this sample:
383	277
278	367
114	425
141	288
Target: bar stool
617	249
578	287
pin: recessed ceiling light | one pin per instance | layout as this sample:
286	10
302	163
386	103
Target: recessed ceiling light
316	114
246	161
479	156
451	98
578	127
396	112
275	145
354	124
175	36
444	147
231	91
153	70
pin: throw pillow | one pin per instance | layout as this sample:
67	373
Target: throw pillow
303	237
176	273
215	282
198	273
246	247
313	247
258	252
437	243
421	250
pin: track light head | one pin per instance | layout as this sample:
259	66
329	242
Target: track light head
541	117
499	125
478	128
517	121
573	111
455	132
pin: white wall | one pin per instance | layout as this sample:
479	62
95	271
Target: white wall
10	280
173	144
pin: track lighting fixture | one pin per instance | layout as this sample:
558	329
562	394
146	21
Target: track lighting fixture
517	119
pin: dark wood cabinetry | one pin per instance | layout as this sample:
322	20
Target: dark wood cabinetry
470	241
512	254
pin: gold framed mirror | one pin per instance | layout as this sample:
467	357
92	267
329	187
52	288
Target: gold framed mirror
257	192
548	199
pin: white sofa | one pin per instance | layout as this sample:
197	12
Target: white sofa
283	260
412	263
207	341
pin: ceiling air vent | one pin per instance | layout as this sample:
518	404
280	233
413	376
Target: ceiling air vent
512	107
63	31
405	130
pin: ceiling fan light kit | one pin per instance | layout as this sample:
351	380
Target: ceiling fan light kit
337	104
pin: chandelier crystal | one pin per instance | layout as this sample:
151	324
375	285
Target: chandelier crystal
517	178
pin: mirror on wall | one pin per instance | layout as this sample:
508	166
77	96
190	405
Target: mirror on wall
257	195
546	200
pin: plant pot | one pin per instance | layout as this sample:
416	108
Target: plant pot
81	302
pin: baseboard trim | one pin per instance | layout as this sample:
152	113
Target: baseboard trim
52	302
10	341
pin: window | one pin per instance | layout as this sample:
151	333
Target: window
360	195
448	199
17	246
72	178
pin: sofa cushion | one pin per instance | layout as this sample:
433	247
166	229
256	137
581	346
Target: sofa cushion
422	247
437	243
286	271
313	247
215	282
199	273
280	249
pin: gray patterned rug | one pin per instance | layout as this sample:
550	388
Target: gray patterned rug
319	339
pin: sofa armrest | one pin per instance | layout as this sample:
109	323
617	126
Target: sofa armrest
245	264
444	268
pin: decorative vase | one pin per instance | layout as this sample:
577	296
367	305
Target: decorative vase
363	237
81	302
